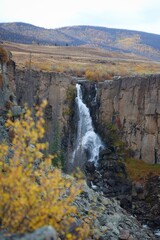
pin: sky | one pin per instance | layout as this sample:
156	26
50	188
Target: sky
142	15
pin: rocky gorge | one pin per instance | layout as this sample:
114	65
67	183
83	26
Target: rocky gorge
132	104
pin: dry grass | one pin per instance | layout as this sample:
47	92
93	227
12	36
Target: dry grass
98	74
95	64
139	170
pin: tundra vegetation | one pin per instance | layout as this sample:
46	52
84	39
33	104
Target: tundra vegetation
94	64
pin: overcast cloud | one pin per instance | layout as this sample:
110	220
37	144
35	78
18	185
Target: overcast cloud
143	15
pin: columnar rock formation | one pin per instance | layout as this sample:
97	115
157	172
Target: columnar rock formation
34	86
7	84
134	104
7	96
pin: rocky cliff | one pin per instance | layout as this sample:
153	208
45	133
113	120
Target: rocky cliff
134	105
7	84
26	86
33	86
7	89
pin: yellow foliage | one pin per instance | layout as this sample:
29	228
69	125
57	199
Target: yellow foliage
32	192
129	41
98	74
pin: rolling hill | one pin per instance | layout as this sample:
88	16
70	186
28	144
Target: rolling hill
119	40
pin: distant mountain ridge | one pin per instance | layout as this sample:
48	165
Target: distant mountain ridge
141	43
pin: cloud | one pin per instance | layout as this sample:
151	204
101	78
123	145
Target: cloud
138	14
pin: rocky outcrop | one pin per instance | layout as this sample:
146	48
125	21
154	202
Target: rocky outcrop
7	97
133	103
111	222
110	175
34	86
7	85
146	201
43	233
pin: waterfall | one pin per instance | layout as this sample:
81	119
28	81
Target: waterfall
88	143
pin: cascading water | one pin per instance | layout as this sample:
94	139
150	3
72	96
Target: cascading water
88	143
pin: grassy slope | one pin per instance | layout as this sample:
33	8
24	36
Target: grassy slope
117	40
139	170
81	60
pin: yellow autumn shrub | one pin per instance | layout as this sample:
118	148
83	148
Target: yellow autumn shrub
32	192
98	74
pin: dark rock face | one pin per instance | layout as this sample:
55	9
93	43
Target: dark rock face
140	199
91	99
146	201
109	176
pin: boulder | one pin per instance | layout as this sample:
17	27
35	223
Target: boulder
44	233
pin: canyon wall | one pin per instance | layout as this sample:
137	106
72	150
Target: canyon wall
7	84
7	97
34	86
134	105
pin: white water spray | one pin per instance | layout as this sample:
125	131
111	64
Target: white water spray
87	141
